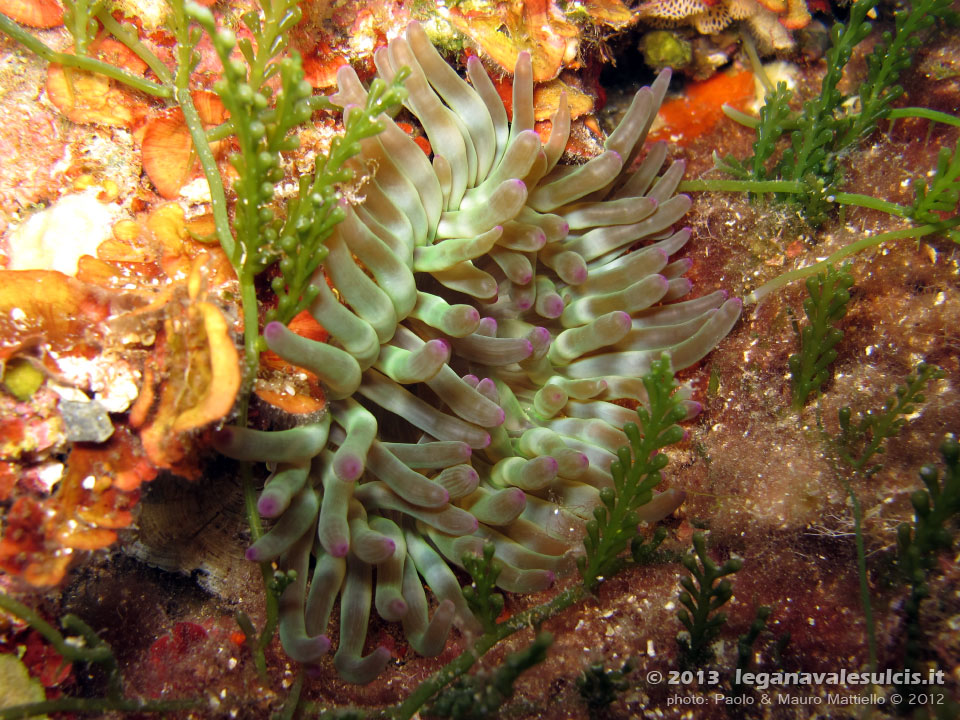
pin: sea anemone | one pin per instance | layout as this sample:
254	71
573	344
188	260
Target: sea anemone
489	315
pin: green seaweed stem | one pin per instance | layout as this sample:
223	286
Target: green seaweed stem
873	430
81	62
95	706
532	617
129	38
92	649
795	187
925	114
864	584
845	252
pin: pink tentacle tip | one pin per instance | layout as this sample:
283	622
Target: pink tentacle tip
485	442
554	307
268	506
273	331
502	415
349	468
252	555
738	302
579	275
339	549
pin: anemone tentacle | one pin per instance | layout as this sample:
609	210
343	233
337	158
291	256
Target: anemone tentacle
488	313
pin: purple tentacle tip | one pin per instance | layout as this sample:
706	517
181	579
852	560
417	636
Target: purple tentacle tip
273	331
268	506
554	307
252	555
339	549
348	468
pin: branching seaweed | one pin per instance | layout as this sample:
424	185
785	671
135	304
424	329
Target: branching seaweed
920	542
599	687
855	446
859	440
480	696
293	238
891	56
701	597
79	16
942	193
746	641
826	130
636	472
826	304
82	645
481	597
